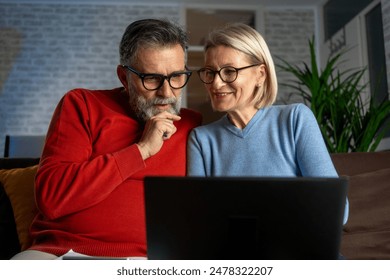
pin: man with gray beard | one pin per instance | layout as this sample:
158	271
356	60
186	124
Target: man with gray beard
102	143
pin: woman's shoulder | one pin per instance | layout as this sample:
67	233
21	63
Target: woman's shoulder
289	107
294	113
293	109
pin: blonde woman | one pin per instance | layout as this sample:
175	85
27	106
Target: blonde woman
254	137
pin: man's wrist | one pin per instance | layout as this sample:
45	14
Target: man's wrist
144	153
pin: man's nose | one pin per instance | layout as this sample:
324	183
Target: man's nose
165	90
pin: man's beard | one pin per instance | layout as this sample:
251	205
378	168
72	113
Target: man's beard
144	108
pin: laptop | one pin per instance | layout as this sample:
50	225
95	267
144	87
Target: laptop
223	218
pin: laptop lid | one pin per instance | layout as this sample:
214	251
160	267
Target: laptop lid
244	218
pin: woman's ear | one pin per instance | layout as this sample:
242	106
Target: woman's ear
122	75
262	74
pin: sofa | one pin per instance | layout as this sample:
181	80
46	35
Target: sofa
367	232
365	236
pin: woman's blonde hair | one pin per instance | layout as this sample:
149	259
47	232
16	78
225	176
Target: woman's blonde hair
244	38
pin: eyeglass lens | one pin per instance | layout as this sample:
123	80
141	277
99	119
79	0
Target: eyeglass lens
176	81
227	74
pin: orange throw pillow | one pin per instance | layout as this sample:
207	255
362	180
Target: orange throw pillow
18	183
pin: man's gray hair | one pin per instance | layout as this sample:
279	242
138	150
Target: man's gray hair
153	33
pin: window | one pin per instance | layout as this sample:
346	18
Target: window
337	13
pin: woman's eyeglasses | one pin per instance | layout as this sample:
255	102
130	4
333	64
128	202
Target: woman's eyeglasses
227	74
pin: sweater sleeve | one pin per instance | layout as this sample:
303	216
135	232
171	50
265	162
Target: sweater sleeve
69	179
312	155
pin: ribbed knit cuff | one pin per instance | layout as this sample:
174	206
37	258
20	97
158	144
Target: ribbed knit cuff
129	161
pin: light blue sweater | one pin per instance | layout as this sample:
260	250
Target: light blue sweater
279	141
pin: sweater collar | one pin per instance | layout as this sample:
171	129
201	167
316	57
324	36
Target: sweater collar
246	130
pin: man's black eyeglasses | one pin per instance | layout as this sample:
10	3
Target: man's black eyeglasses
227	74
152	81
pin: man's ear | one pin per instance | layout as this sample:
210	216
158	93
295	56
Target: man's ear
122	75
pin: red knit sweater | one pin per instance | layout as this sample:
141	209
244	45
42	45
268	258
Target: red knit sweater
89	186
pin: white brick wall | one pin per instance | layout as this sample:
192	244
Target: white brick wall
287	33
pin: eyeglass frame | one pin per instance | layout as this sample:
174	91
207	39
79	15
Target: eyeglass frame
219	72
163	77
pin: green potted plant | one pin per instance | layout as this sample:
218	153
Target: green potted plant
347	122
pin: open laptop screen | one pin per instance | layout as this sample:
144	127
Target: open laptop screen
244	218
